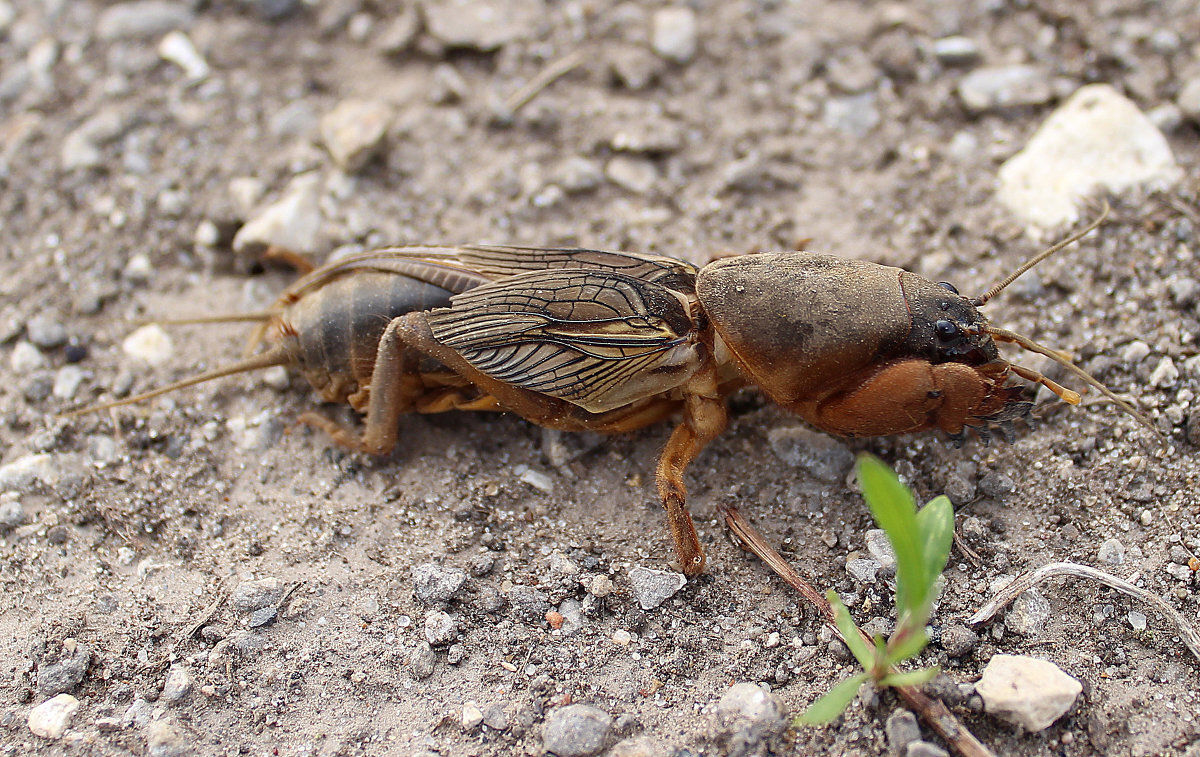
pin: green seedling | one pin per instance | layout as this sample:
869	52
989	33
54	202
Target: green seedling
921	541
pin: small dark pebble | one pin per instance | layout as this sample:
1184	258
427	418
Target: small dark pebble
75	353
996	485
1193	428
944	688
263	617
958	640
38	388
58	534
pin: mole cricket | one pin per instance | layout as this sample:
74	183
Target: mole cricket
578	339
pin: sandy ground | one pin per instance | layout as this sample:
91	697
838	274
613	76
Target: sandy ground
124	177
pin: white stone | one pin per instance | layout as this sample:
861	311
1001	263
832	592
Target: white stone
25	358
51	718
150	344
1096	140
353	132
653	587
1165	374
472	716
293	223
1026	691
482	24
674	35
177	48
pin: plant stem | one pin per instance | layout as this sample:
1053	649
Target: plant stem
935	713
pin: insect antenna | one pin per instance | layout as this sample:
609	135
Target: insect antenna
989	294
1004	335
275	356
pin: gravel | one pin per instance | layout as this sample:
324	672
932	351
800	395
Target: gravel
577	730
249	596
902	729
177	685
440	628
958	640
421	661
652	587
435	584
674	34
66	674
1028	614
747	715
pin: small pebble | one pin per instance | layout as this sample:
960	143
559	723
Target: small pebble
537	480
1135	352
176	47
1111	552
571	611
1000	87
354	131
293	222
653	587
472	716
66	381
434	583
637	175
440	628
1137	620
46	332
249	596
925	749
996	485
958	640
601	586
1188	99
141	19
262	617
1165	374
421	661
621	637
51	718
1026	691
164	739
747	714
855	115
674	33
577	175
12	512
577	730
820	455
482	25
495	718
481	564
25	358
863	570
1028	614
902	729
956	51
150	344
881	550
66	674
528	603
177	686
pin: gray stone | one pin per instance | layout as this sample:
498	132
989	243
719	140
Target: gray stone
51	718
902	729
577	730
820	455
1028	614
165	739
853	114
249	596
674	33
999	87
354	130
293	222
1111	552
483	25
421	661
528	603
881	550
1027	692
578	174
642	746
63	676
264	616
637	175
434	583
572	612
747	714
67	381
496	718
996	485
925	749
958	640
46	332
177	686
440	628
863	570
138	713
12	512
956	50
273	10
653	587
1096	140
142	19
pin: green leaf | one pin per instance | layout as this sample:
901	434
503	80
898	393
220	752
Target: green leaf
936	524
845	625
904	646
835	701
892	505
911	677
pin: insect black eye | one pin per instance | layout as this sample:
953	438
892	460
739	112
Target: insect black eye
946	329
948	285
